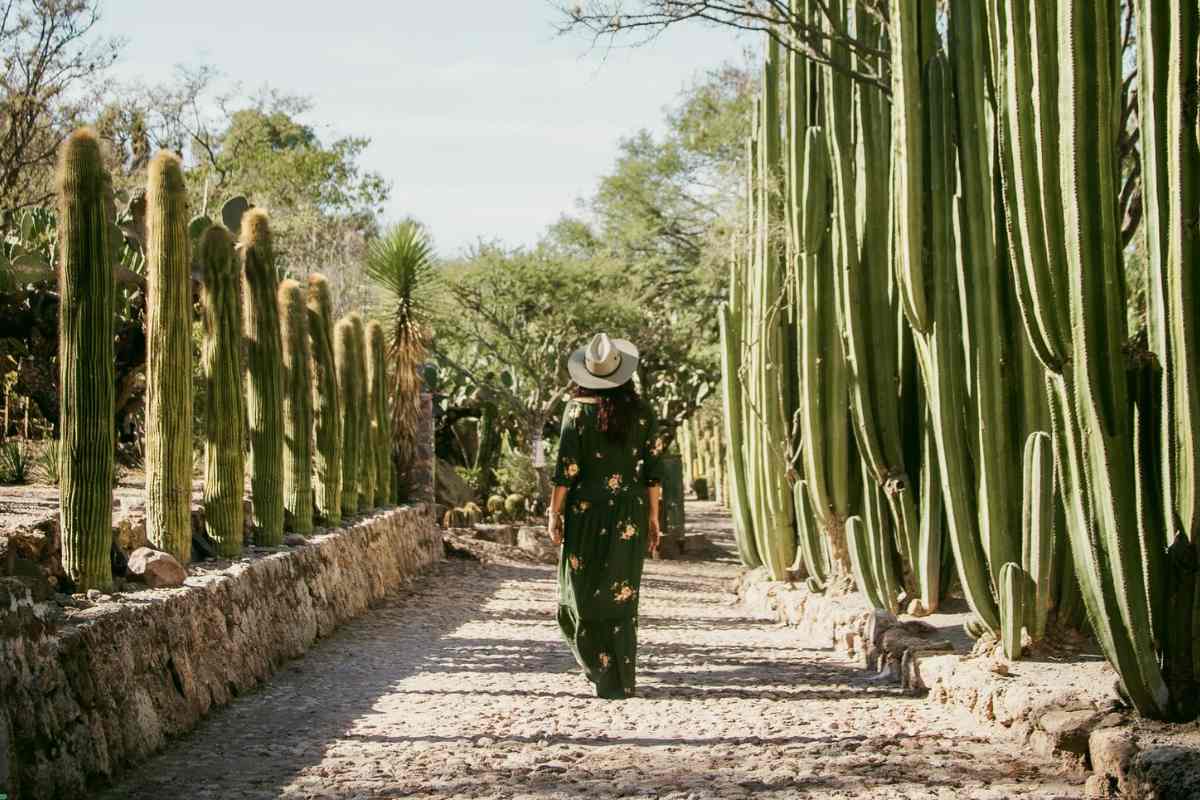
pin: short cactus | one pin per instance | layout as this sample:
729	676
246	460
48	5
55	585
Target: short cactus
514	505
495	504
456	518
349	381
264	377
224	456
85	362
297	409
1012	608
327	405
168	360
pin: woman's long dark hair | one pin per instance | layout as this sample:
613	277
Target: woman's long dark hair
618	410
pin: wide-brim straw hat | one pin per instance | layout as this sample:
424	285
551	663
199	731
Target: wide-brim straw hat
604	364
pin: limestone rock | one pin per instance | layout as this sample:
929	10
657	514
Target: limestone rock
500	534
1065	731
537	542
156	569
1112	751
295	540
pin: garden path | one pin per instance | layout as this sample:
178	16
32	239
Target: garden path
460	687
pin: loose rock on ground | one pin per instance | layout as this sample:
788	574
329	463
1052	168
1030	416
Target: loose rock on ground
462	688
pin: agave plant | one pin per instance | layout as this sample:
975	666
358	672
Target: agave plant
401	263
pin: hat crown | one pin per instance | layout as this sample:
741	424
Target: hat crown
602	357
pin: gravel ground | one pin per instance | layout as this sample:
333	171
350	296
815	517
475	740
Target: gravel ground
461	688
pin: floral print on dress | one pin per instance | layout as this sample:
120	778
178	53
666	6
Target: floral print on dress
628	531
571	468
623	592
576	563
659	446
581	506
605	659
614	483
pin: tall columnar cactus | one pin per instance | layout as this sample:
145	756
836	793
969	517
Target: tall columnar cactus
264	376
731	384
168	360
350	387
327	405
85	357
824	412
224	457
297	408
381	430
771	390
366	459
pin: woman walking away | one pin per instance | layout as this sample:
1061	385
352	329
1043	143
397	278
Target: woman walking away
605	512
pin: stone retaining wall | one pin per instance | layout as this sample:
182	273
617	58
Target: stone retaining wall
1060	708
81	701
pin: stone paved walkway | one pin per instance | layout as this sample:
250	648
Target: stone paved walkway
461	688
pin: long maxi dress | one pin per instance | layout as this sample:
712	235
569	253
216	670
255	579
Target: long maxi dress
604	546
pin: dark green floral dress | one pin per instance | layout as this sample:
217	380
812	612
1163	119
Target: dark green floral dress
604	547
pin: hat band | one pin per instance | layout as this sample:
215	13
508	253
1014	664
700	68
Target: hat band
612	371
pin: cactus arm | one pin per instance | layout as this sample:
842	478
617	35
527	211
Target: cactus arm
224	457
168	360
365	476
85	351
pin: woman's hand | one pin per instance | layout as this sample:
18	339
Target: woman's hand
554	525
655	534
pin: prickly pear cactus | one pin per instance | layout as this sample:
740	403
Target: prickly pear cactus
168	360
85	360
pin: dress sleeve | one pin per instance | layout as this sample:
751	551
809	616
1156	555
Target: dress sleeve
653	447
566	469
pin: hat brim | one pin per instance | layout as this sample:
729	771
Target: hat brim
577	366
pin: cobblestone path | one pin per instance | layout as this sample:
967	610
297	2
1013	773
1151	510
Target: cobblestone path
461	688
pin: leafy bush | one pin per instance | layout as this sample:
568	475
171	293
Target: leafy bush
472	476
516	473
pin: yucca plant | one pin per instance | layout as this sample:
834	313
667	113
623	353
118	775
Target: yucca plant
401	263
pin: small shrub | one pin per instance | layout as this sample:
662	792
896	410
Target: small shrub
516	473
47	462
15	465
472	476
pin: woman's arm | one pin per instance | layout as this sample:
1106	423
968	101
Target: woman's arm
654	493
554	522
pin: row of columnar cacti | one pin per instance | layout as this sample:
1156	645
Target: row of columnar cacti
952	292
305	447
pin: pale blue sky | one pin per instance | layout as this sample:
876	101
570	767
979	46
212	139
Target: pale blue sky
485	121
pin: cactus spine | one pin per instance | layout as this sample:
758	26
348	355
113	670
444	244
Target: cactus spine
349	381
381	434
327	406
168	360
264	376
297	408
224	458
85	354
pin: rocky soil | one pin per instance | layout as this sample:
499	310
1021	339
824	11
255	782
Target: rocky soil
460	687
